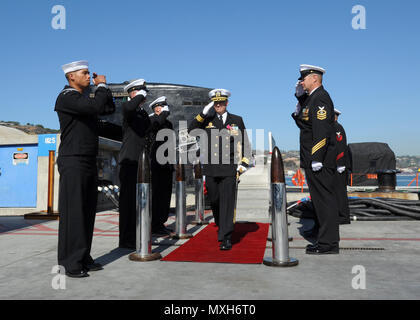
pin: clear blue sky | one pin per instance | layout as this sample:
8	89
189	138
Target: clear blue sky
253	48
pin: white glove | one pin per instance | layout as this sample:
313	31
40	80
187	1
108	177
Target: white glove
299	89
316	166
165	108
341	169
208	107
142	92
241	169
298	107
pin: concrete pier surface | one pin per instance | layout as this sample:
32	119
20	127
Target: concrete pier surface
377	260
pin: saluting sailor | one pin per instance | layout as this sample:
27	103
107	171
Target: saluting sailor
343	165
135	126
228	152
161	172
78	117
315	117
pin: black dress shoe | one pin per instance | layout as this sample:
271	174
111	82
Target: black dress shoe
344	221
309	246
77	274
317	250
226	245
94	267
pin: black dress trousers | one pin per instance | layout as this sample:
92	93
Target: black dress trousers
161	194
221	191
322	186
342	198
127	218
77	207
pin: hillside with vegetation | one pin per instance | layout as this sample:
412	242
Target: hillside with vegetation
28	128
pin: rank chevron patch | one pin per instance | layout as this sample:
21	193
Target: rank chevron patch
321	114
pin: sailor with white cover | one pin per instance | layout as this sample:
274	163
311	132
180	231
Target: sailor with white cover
161	172
78	116
343	166
314	116
135	126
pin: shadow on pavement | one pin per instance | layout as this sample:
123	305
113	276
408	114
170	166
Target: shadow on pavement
113	255
9	224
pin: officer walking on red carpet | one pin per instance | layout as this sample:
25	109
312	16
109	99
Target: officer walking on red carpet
314	116
228	152
343	165
78	116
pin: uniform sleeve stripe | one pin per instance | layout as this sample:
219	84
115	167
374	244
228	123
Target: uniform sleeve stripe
319	145
199	118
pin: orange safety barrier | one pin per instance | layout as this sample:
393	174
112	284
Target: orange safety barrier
415	179
299	179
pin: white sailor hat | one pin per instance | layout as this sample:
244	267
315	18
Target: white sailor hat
306	69
337	112
219	94
74	66
161	101
139	84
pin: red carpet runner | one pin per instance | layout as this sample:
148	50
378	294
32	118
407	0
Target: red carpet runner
249	242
